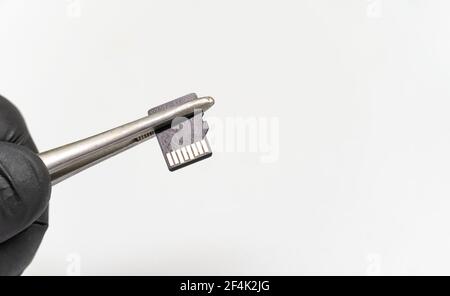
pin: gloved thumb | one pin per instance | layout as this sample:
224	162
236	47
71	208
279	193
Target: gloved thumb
25	189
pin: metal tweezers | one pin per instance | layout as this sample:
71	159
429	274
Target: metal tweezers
70	159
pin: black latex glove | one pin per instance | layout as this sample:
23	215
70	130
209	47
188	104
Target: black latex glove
24	193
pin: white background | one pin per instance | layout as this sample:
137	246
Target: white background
360	90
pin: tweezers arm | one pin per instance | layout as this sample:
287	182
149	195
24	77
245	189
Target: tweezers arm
68	160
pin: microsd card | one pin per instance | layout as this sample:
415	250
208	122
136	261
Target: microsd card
184	142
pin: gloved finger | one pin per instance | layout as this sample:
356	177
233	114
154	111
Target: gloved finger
14	130
12	126
24	189
17	253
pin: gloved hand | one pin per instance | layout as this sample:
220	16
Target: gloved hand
24	193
